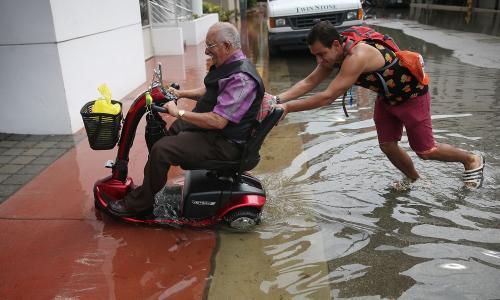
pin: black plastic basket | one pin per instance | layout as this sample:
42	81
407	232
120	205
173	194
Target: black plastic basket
103	130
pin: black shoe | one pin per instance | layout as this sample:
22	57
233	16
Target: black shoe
119	208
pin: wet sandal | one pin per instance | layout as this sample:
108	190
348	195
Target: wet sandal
405	184
474	178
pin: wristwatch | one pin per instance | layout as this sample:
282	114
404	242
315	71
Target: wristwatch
181	113
277	99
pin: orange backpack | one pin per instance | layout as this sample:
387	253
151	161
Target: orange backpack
412	61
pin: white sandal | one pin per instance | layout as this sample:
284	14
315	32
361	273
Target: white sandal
474	178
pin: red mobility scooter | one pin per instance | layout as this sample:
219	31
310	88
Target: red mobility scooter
213	191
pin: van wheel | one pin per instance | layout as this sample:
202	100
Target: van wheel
243	219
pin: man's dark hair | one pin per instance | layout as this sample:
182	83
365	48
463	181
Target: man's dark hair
325	32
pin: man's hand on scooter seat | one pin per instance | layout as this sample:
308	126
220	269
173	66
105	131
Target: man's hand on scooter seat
285	110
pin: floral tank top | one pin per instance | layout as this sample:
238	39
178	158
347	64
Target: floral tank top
401	85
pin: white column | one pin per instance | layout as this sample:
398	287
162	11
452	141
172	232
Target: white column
55	53
197	7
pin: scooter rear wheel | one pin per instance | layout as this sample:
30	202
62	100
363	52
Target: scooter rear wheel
243	219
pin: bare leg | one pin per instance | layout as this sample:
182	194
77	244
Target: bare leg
448	153
400	159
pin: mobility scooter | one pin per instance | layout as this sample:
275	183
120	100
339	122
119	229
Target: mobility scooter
213	191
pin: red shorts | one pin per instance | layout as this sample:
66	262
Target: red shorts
414	115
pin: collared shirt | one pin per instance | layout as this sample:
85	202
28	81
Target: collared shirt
236	93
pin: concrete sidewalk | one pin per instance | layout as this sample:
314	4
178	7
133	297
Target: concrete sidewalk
23	156
56	245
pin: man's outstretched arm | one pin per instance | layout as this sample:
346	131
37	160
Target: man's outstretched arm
351	69
305	85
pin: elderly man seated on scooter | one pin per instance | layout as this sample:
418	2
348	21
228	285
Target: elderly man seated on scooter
224	115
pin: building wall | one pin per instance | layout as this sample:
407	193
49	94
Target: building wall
55	53
194	31
148	42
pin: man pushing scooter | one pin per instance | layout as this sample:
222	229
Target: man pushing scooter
371	60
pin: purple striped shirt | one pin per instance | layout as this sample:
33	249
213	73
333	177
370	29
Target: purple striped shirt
236	93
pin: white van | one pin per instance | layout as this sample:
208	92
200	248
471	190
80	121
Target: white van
289	21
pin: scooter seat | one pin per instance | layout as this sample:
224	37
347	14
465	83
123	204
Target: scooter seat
213	165
250	156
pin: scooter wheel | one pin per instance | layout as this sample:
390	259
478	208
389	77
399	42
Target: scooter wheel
243	219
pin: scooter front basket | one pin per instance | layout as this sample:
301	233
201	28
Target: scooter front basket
102	129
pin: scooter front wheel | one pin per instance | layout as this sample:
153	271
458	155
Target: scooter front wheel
243	219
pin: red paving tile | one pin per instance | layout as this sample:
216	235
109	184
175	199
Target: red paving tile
54	244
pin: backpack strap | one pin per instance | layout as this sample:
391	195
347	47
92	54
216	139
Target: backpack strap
343	105
348	44
394	61
381	78
384	85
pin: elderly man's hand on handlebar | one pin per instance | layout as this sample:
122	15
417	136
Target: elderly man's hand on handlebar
176	92
172	108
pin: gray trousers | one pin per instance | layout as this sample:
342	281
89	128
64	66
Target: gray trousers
179	146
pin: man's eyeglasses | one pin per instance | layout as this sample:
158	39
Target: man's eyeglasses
208	46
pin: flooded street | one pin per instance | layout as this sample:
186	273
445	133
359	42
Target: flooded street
334	228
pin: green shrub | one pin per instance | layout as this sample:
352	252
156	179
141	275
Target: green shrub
251	3
224	15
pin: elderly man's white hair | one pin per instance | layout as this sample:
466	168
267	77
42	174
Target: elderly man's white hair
227	32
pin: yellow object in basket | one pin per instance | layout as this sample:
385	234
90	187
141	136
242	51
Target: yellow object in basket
103	104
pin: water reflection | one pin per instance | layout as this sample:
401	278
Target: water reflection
333	228
175	267
479	22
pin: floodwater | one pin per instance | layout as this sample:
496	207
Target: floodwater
334	228
475	22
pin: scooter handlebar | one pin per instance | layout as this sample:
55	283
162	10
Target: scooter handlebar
159	108
168	95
